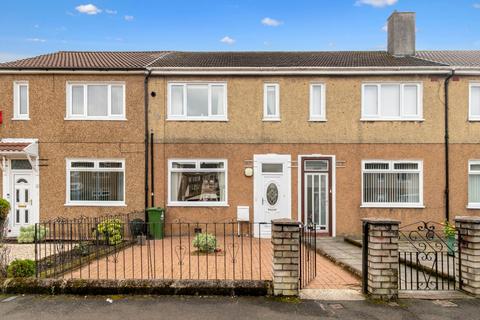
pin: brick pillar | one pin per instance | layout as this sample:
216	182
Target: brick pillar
381	272
469	253
286	242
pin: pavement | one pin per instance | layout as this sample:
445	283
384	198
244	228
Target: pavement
185	308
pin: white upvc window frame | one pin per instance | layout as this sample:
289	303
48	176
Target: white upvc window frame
16	100
392	170
276	116
323	111
197	162
472	117
472	205
184	116
402	117
85	84
96	168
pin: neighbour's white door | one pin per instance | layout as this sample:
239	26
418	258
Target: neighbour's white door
272	191
22	209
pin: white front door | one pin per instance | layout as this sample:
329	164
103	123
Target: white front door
22	212
272	191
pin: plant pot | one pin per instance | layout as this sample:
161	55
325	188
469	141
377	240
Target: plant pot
451	245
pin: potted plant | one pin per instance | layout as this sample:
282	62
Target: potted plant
4	210
449	231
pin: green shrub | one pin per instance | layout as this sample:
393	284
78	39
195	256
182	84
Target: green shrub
27	234
205	242
449	230
111	231
4	209
21	268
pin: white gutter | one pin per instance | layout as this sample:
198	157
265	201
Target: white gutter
297	72
35	71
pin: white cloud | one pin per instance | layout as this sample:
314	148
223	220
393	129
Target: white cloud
36	26
110	11
89	9
376	3
129	18
36	40
476	5
385	27
271	22
227	40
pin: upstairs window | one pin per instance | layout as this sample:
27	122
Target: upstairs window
317	102
392	183
197	101
271	102
96	101
392	101
96	182
474	102
20	100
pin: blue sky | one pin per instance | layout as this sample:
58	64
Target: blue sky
34	27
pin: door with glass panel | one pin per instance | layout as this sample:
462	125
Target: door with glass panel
316	194
23	201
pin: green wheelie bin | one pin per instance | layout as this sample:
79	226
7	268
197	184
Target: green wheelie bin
156	222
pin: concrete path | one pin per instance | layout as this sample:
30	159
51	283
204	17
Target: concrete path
231	308
343	253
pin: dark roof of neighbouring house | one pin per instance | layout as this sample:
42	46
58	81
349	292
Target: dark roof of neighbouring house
276	59
140	60
111	60
453	58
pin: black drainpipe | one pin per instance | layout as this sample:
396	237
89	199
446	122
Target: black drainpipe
145	86
447	173
152	176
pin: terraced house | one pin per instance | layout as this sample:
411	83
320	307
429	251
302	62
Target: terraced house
322	137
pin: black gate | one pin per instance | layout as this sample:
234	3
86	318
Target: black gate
308	254
429	257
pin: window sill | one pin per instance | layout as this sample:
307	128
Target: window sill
391	120
94	204
392	206
95	119
197	120
473	206
20	119
271	119
317	120
198	204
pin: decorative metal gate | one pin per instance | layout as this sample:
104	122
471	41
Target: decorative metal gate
308	254
429	257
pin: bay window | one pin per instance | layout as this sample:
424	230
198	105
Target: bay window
197	182
96	101
392	101
95	182
392	183
197	101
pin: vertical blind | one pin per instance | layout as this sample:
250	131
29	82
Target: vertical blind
97	181
391	183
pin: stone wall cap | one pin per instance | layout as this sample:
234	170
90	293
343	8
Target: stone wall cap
285	221
467	219
381	220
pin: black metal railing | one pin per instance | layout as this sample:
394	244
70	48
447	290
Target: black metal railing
308	254
428	258
122	247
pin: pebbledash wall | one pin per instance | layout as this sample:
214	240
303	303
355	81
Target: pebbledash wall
59	139
343	135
